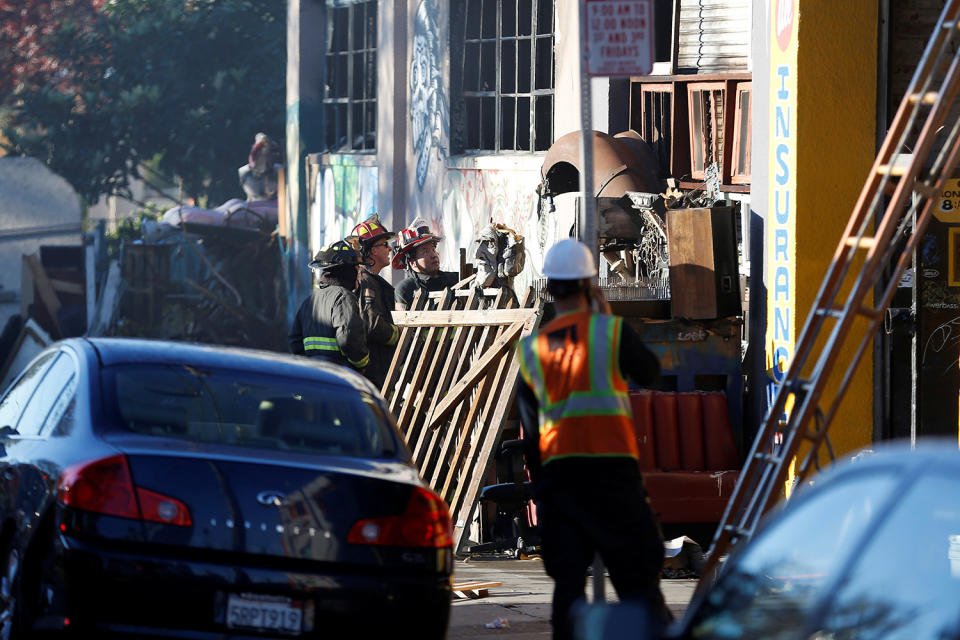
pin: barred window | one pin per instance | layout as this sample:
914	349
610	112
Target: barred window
350	76
502	75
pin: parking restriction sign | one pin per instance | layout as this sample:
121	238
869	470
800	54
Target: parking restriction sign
619	37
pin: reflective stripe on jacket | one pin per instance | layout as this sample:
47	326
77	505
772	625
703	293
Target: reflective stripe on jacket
572	365
328	326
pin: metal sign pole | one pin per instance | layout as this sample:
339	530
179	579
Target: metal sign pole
589	229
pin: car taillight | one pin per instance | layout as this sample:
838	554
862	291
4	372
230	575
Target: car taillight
105	486
424	523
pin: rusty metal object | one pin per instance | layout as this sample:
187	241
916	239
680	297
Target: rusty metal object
619	166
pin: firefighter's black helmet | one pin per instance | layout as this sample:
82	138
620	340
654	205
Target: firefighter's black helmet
338	254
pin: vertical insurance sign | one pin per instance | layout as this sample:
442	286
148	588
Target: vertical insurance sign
619	37
782	207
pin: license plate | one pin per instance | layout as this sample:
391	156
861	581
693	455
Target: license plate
273	613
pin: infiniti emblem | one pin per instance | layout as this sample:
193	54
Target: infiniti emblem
270	497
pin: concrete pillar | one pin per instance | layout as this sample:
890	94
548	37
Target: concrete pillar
304	127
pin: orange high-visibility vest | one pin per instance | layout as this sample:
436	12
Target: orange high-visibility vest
573	367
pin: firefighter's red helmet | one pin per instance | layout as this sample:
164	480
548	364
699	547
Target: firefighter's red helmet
370	231
417	234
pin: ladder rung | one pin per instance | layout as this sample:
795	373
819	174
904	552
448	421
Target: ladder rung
951	24
802	383
832	312
892	169
838	312
768	457
865	242
737	531
926	98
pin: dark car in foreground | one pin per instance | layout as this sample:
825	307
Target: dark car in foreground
870	550
201	492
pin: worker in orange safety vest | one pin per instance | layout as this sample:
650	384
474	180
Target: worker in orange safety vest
579	441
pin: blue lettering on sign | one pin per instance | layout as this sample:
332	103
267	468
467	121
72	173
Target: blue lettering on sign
784	173
781	245
782	216
781	284
784	72
781	324
783	121
780	355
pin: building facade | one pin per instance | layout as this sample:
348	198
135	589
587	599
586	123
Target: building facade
444	109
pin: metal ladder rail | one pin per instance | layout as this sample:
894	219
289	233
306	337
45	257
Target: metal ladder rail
846	253
905	256
894	223
831	286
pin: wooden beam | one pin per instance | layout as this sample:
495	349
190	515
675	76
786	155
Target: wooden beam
459	318
47	293
463	387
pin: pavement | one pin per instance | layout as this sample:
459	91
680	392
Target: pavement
524	599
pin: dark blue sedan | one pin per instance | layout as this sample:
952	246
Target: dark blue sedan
201	492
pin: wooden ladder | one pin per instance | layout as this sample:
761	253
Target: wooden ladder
900	194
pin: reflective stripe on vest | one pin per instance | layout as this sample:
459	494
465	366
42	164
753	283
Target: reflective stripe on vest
316	343
592	421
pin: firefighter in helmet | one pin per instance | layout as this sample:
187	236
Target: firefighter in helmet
579	441
328	323
416	251
376	296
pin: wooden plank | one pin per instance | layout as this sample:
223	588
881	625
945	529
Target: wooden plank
461	345
475	465
484	364
419	301
454	433
409	417
693	287
455	317
47	294
466	442
444	354
64	286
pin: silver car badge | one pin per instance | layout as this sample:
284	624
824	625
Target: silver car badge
268	497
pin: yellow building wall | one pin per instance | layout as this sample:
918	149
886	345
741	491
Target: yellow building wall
836	146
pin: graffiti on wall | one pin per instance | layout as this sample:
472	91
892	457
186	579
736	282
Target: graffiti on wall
344	195
473	198
428	100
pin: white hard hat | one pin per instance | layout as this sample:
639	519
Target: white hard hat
569	259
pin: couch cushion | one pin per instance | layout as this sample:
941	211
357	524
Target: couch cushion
689	496
690	428
666	438
642	404
721	451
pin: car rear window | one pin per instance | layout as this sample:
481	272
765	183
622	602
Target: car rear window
248	409
769	590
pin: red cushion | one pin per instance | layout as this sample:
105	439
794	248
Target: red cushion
689	496
642	404
721	452
690	426
665	430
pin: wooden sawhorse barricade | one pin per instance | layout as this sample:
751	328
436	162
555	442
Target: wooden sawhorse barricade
451	385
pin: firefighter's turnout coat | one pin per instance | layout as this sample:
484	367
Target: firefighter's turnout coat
328	325
376	300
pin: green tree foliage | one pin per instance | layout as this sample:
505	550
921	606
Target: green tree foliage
183	84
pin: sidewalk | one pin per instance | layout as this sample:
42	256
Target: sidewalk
524	599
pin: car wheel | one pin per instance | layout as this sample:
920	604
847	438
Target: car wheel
9	597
